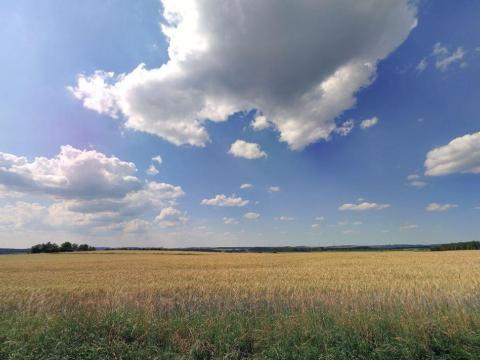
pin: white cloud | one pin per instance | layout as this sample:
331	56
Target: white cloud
273	189
82	190
439	50
92	215
445	58
6	193
284	218
315	226
246	186
363	206
152	170
223	200
254	55
415	180
440	207
73	173
136	226
246	150
461	155
157	159
345	128
168	213
348	223
96	92
171	217
320	218
422	65
260	122
230	221
112	211
368	123
251	215
409	227
418	184
21	214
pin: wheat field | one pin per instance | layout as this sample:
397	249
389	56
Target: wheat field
409	295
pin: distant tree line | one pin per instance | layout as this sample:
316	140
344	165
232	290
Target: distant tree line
470	245
67	246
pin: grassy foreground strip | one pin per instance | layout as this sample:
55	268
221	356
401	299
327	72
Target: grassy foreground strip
234	335
135	305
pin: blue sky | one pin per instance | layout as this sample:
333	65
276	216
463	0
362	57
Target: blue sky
69	80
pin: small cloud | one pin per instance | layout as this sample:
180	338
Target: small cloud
274	189
260	122
320	218
315	226
418	184
422	65
246	186
136	226
368	123
345	128
157	159
444	58
409	227
363	206
459	156
230	221
251	216
439	50
346	223
415	181
225	201
170	217
246	150
440	207
284	218
152	170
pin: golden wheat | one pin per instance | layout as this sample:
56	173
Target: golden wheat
347	282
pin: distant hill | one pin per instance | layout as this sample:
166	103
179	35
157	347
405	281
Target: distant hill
277	249
282	249
4	251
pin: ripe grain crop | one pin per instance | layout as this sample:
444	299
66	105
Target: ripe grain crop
387	301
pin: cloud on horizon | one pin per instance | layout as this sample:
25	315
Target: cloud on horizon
83	190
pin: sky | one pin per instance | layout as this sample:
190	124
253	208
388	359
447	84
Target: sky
205	123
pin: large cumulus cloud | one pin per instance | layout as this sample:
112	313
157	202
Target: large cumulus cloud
81	189
71	173
299	63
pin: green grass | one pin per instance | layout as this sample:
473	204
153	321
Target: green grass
242	334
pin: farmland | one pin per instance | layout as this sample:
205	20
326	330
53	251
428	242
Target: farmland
336	305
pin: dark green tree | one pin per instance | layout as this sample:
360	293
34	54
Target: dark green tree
66	247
